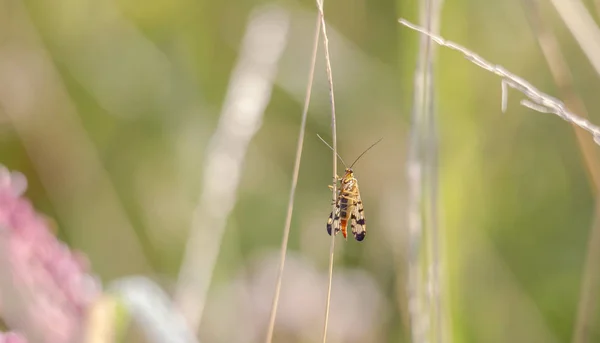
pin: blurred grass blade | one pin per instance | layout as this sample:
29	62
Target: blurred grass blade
247	96
151	308
36	101
103	323
424	257
581	24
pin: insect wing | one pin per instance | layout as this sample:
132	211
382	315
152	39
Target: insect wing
357	218
334	220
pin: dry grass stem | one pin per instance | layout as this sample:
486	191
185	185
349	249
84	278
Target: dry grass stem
424	296
334	145
417	298
588	297
536	100
288	219
247	96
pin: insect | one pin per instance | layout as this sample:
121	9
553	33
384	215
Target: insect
348	205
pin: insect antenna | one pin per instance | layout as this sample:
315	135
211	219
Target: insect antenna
364	152
338	155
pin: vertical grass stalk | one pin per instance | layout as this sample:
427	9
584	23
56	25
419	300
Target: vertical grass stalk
334	145
425	305
288	219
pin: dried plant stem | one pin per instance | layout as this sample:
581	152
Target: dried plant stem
334	145
330	281
564	80
432	9
425	305
288	219
590	282
536	100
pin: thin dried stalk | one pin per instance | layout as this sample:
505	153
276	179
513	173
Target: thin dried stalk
432	11
424	296
334	145
536	100
588	298
288	219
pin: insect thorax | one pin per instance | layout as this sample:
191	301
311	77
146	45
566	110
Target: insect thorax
348	184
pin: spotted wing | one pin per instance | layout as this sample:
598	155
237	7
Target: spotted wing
357	220
334	220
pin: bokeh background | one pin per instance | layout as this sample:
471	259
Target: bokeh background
109	109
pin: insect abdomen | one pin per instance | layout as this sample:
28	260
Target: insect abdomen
345	210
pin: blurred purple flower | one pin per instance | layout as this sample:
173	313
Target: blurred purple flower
45	288
10	337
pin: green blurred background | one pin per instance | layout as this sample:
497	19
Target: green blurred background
128	93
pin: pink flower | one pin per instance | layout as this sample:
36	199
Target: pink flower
10	337
45	288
